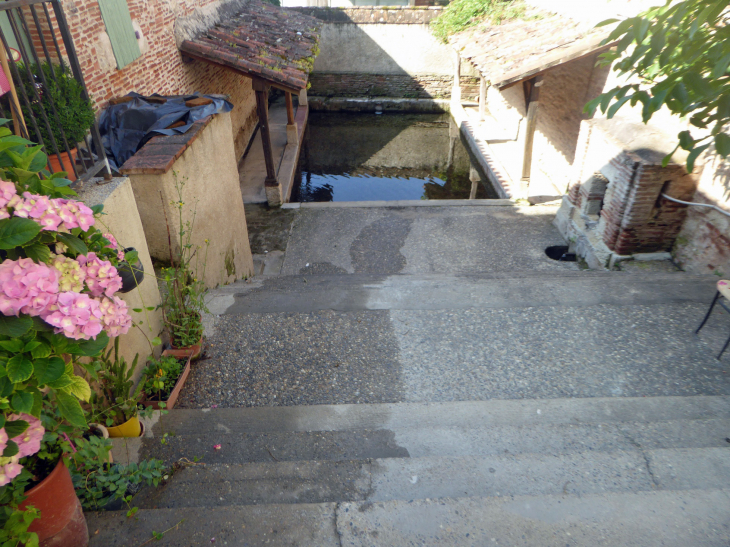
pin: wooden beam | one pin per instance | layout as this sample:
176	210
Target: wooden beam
289	109
532	108
262	106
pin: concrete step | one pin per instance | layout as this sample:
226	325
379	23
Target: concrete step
355	292
361	444
439	477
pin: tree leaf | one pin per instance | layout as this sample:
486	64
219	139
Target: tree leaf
16	231
49	370
73	243
79	388
15	427
693	155
22	401
19	369
15	326
38	252
722	144
70	409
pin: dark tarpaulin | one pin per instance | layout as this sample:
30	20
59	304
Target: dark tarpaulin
126	127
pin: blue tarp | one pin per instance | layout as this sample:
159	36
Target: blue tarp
126	127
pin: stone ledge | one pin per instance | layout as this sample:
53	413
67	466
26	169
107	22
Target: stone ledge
398	15
159	154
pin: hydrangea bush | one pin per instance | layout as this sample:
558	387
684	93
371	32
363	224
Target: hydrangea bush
58	280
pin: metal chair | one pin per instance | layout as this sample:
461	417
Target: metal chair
723	289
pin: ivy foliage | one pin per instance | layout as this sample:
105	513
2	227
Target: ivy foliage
462	14
681	52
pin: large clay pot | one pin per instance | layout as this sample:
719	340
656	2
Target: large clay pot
62	522
67	162
130	428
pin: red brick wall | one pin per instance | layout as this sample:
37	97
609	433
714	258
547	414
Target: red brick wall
161	69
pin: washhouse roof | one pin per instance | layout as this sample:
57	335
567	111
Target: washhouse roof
261	41
519	49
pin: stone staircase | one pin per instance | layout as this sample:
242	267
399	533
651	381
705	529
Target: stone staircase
507	401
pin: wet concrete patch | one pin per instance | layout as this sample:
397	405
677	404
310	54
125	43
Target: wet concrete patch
377	248
323	357
268	228
321	268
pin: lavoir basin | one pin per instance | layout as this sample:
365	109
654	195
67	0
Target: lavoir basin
370	157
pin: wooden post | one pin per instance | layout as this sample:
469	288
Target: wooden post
289	109
17	114
262	106
482	98
532	108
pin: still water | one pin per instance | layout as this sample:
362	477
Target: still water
369	157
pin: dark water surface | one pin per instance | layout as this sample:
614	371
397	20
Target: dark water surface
369	157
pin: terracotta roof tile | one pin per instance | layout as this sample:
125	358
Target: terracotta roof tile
264	41
520	48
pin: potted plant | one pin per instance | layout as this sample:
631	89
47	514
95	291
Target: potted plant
184	300
103	485
73	114
115	403
130	270
57	307
163	378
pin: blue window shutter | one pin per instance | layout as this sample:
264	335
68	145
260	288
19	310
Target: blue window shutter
118	24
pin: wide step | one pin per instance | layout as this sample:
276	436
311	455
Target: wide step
643	519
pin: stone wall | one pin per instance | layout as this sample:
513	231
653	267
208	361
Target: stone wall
379	52
161	68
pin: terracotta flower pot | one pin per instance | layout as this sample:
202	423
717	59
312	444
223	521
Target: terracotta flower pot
172	399
62	522
130	428
195	349
67	162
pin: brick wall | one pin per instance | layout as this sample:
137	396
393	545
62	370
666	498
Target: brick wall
360	84
161	68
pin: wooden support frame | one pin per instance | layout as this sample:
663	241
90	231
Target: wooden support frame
261	89
532	102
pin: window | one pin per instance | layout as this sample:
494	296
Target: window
118	24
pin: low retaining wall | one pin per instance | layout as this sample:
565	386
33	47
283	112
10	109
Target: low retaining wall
204	158
420	86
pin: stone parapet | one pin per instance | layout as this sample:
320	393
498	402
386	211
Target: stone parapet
395	15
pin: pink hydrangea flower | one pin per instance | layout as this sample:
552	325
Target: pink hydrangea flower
75	315
115	316
4	214
3	440
101	276
112	241
9	471
7	191
26	287
29	442
71	274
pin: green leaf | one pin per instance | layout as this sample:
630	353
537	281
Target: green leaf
38	252
6	387
693	155
70	409
615	106
19	369
607	22
37	404
60	182
685	140
49	370
97	209
132	257
11	449
13	346
22	401
15	427
63	381
722	144
697	84
79	388
92	348
41	351
16	231
73	243
15	326
30	346
720	67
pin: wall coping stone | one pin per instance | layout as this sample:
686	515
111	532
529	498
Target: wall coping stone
159	154
396	15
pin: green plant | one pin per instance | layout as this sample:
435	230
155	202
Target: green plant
681	54
98	482
62	91
184	302
116	401
160	375
462	14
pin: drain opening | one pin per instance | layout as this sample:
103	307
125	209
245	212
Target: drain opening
560	252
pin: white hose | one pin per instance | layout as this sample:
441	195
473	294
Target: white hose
697	204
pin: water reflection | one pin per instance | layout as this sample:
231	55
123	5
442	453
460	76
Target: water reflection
365	157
